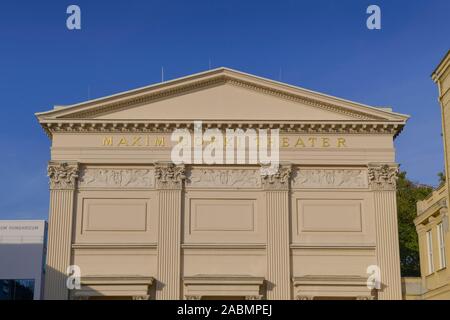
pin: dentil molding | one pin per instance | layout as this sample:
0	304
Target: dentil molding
300	127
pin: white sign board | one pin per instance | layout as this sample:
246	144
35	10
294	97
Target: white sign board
19	231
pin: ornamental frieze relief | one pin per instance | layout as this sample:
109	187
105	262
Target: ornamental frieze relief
330	178
224	178
117	178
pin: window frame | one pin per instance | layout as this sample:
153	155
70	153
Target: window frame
430	256
441	244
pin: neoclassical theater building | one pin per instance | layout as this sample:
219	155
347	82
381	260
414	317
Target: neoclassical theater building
138	226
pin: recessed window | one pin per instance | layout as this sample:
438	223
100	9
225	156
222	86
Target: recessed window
16	289
441	239
430	252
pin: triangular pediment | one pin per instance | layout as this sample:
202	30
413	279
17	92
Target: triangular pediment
224	102
221	94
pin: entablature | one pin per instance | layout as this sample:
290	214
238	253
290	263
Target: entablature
311	127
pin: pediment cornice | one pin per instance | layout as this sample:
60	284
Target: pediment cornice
201	84
122	101
84	117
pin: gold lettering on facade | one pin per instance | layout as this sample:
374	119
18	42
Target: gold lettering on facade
312	141
107	141
136	141
300	143
285	142
160	142
123	142
341	142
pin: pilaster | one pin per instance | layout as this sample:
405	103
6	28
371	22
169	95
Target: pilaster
63	177
169	182
382	180
278	258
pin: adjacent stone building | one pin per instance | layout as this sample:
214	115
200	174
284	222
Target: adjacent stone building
432	228
432	213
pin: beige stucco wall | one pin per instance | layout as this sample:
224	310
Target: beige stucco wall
139	227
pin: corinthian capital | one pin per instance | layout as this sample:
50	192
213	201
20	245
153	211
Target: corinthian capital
62	175
278	180
383	176
169	175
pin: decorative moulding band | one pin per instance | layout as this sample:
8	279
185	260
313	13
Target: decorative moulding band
165	126
114	246
223	279
223	246
129	102
335	178
368	246
117	279
343	280
115	178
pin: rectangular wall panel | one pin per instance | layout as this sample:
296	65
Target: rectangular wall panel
222	215
333	218
329	215
115	215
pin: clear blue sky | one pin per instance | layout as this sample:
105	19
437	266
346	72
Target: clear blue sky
320	45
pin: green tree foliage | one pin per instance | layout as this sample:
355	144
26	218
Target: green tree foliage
441	176
408	193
